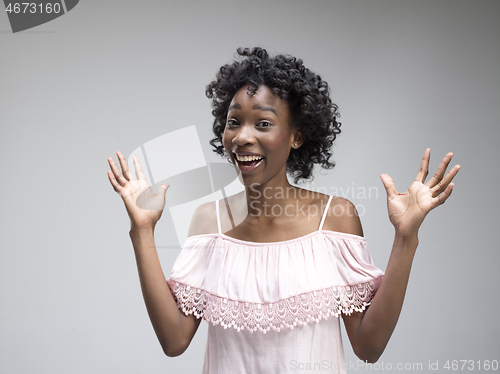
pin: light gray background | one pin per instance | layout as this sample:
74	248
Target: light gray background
113	75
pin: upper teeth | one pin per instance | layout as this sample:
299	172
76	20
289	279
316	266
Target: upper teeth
248	158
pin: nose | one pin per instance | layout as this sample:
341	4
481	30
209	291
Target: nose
244	136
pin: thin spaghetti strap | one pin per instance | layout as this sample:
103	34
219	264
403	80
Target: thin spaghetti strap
325	214
218	216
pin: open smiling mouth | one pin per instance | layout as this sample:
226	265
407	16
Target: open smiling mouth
249	163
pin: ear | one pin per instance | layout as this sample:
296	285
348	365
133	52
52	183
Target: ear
297	138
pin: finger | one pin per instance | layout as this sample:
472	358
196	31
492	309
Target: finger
424	166
438	175
113	181
116	172
443	183
439	200
138	169
389	185
124	165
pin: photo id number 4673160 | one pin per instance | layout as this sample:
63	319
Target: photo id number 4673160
47	7
468	365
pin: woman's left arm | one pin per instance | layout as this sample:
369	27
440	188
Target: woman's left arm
369	331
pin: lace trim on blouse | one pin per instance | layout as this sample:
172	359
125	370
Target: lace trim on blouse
287	313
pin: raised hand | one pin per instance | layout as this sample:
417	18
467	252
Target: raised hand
145	212
407	210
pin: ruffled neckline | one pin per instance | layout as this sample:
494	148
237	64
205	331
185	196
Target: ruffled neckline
282	242
273	285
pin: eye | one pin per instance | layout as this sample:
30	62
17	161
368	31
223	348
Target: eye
264	124
231	123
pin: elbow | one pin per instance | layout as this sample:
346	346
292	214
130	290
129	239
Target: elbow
369	356
369	359
175	343
174	349
172	352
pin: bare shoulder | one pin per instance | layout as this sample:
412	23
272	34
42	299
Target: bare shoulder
204	220
342	216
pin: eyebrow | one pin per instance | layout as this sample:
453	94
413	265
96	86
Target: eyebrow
260	107
257	107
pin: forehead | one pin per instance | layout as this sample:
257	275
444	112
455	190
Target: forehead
263	96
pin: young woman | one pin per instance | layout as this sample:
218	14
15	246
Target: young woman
272	275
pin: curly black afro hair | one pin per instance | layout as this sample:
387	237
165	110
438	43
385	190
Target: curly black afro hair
307	95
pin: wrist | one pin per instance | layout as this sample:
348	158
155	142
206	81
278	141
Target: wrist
406	237
136	231
406	243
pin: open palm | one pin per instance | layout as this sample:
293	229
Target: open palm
143	206
407	210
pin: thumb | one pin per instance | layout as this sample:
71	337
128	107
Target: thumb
156	201
389	185
163	189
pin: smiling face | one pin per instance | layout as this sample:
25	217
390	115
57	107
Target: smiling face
258	136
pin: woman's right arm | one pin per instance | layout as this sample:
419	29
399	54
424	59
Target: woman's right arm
173	329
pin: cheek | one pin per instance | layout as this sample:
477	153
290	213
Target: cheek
226	141
279	142
277	149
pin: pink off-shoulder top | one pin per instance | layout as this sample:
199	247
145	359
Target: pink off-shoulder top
274	307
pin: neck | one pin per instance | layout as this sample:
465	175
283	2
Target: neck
271	199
